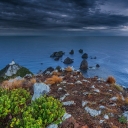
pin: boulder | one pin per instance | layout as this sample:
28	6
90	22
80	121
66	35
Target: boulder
68	61
84	65
49	69
58	68
40	89
97	65
71	52
85	56
57	54
81	51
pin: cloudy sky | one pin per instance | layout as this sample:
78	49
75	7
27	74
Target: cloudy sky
38	16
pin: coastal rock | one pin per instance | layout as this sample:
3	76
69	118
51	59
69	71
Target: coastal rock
68	61
71	52
49	69
57	54
52	126
85	56
10	69
68	103
39	90
14	69
81	51
92	112
84	65
97	65
58	68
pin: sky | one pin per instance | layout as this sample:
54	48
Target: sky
93	17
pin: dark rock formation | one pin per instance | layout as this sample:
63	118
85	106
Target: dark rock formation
68	61
49	69
57	54
71	52
56	58
93	57
97	65
58	68
81	51
84	65
85	56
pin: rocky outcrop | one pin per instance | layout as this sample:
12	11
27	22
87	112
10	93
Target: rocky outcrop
81	51
84	65
85	56
40	89
57	54
48	70
13	69
97	65
71	52
68	61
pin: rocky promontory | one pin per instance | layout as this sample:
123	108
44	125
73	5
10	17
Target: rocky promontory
90	102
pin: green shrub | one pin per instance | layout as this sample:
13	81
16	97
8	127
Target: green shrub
42	112
22	72
16	110
12	103
122	120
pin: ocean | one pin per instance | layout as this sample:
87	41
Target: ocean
31	51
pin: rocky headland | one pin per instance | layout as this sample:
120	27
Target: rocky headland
89	102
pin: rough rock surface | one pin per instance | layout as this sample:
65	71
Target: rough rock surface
85	56
81	51
84	65
68	61
40	89
71	52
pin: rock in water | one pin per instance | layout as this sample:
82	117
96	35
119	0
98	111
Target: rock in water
97	65
84	65
49	69
71	52
68	61
85	56
40	89
81	51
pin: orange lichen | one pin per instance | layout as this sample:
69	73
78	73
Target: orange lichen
111	80
53	80
68	69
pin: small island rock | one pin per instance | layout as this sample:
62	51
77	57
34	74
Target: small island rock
71	52
85	56
68	61
84	65
81	51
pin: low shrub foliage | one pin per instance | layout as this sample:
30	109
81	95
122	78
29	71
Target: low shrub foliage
18	111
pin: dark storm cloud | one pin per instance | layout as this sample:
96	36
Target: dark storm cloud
62	14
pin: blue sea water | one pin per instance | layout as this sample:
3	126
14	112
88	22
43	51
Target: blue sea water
31	51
